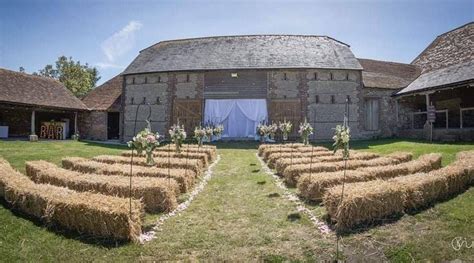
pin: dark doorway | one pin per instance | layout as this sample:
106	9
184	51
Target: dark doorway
113	122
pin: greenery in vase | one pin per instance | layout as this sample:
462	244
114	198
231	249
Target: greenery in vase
285	128
209	131
199	134
218	130
178	135
305	131
342	136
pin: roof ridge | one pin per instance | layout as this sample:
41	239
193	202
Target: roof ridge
391	62
236	36
32	75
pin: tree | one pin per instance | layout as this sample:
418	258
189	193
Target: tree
79	79
21	69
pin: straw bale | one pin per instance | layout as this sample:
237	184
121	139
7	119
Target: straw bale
183	155
157	194
293	172
190	164
263	147
83	212
185	178
313	186
273	158
364	202
211	152
354	155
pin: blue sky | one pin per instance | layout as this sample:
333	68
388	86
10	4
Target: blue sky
109	34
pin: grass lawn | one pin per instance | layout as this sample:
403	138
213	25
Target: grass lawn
241	215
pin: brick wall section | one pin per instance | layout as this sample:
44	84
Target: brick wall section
324	114
93	125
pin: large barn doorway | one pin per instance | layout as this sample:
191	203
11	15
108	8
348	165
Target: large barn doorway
240	117
113	125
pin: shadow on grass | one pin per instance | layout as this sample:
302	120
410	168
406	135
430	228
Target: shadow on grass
69	234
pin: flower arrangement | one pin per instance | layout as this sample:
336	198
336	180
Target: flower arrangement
262	131
272	130
342	136
305	131
285	128
199	134
146	141
178	135
209	132
218	130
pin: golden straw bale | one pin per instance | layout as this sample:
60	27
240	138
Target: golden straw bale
469	155
292	172
363	202
313	186
185	178
183	155
274	157
190	164
86	213
354	155
263	147
157	194
211	152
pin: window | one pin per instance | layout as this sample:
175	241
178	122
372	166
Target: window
132	100
331	76
159	80
347	76
348	99
284	76
333	99
158	100
316	99
315	75
187	77
146	80
372	114
133	80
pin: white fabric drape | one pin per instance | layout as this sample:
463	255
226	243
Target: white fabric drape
240	117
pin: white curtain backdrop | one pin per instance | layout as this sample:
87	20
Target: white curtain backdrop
240	117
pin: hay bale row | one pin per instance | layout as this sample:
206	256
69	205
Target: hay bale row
85	213
211	153
263	147
293	172
185	178
354	155
366	202
157	194
274	157
313	186
188	164
306	149
183	155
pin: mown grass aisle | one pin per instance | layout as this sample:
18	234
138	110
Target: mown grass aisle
240	214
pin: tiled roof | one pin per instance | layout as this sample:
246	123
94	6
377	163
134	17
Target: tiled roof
387	75
245	52
441	77
105	95
22	88
450	48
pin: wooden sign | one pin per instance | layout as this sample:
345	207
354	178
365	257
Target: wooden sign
52	130
431	113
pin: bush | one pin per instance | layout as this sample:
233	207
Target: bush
185	178
158	194
88	213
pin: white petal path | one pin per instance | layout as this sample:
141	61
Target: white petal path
322	227
150	235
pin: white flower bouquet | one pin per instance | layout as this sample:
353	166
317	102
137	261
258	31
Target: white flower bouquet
199	134
218	130
305	131
178	135
209	132
272	130
285	128
146	141
342	136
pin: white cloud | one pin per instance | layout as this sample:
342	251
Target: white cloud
106	65
120	42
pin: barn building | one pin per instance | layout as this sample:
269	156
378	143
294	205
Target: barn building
242	80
